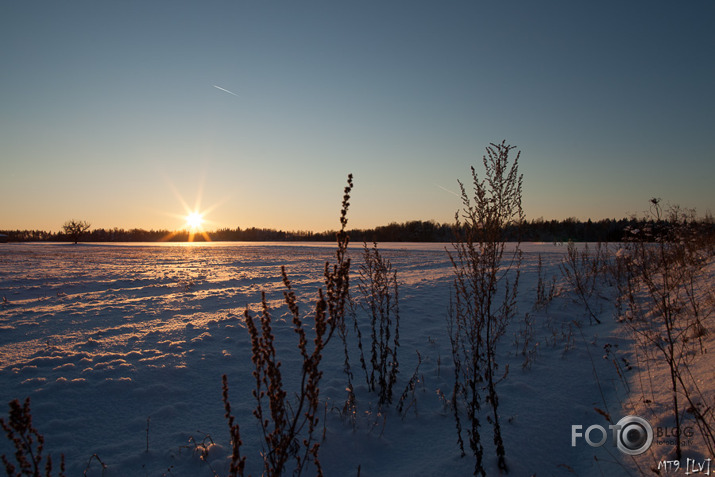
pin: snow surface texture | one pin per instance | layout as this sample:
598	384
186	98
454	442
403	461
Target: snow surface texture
121	350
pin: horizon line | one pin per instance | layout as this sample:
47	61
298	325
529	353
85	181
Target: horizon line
537	220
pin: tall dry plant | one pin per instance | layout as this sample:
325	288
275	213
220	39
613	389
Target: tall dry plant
486	277
289	425
662	261
379	299
582	270
545	291
28	443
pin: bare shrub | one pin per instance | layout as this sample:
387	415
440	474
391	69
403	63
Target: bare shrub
658	276
485	289
582	270
379	299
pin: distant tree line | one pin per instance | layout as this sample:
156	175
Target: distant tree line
536	230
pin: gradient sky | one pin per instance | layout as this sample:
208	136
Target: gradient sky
117	112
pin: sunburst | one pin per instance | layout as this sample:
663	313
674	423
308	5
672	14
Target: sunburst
195	218
195	221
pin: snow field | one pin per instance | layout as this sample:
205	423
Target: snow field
121	348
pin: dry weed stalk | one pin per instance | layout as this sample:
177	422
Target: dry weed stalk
92	458
289	428
238	462
662	261
582	270
661	265
408	395
524	342
380	300
544	292
478	314
28	443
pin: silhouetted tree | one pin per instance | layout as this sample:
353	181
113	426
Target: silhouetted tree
75	228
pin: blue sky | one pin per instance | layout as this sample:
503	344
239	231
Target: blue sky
110	111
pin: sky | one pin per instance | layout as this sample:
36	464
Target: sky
129	114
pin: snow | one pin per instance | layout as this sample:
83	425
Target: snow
122	348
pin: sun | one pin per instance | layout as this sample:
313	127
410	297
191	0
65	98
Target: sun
194	221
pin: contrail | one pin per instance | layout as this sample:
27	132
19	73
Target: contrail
224	89
447	190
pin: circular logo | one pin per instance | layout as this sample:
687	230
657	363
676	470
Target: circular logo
634	435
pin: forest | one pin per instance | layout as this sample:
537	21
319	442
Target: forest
535	230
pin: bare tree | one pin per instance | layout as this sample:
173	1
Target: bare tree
75	228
